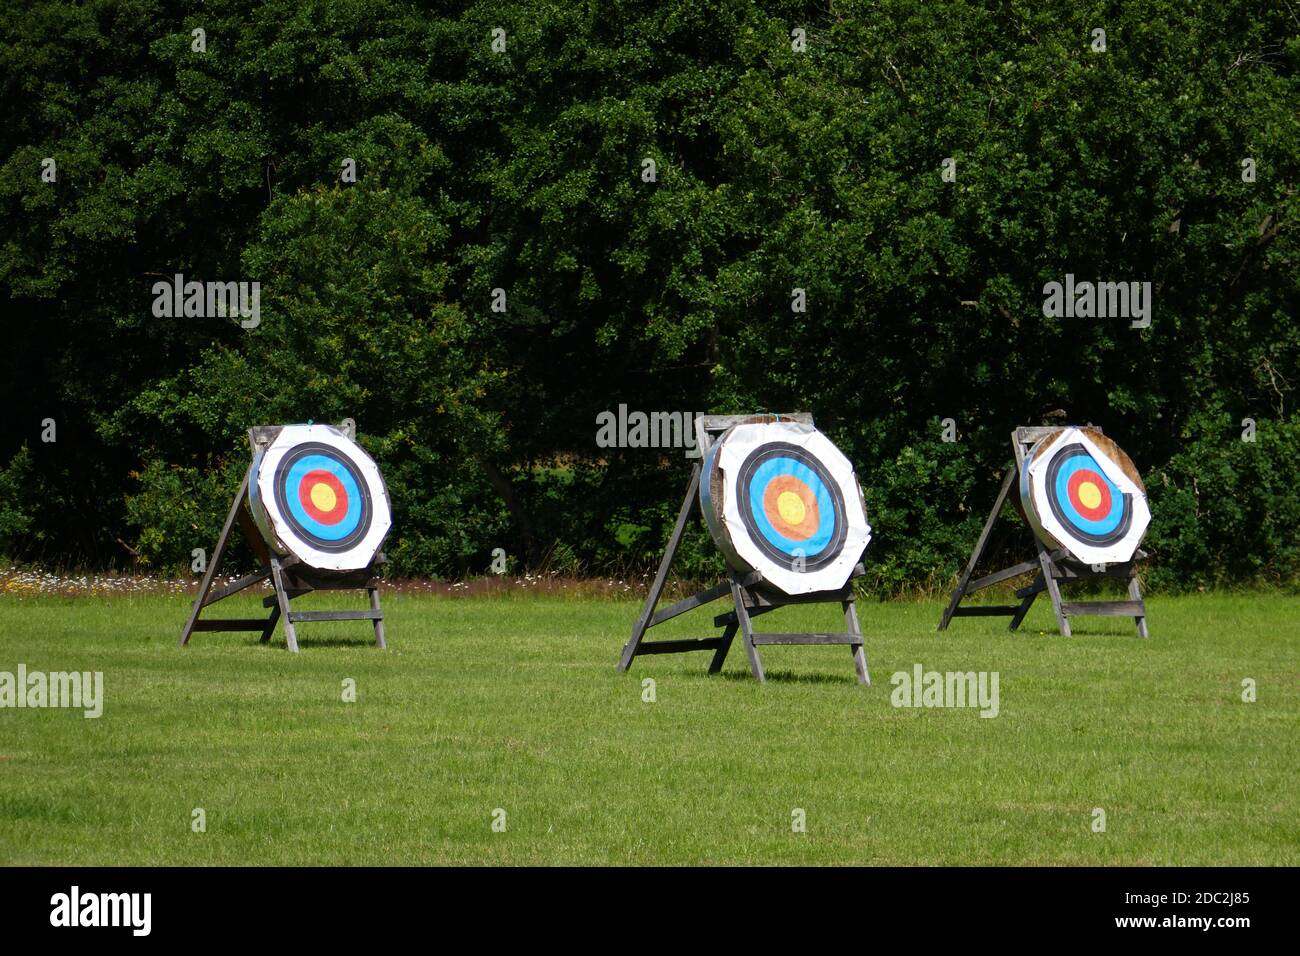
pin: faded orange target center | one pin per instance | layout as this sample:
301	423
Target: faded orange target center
791	506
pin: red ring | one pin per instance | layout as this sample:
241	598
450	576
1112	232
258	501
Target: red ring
321	476
1103	507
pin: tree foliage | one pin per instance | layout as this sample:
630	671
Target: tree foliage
523	170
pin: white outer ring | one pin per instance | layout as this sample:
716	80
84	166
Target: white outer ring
1034	495
730	454
279	534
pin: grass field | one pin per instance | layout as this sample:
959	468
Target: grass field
513	702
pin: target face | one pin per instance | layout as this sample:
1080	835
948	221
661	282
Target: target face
780	499
790	501
316	495
320	490
1083	494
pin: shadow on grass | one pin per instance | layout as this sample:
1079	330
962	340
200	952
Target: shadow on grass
1097	627
784	677
307	643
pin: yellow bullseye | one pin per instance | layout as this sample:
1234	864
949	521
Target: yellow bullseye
323	497
791	508
1089	494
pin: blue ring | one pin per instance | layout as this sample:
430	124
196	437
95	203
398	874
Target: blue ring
1100	526
775	468
293	481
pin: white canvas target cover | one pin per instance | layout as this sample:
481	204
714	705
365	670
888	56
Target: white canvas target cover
316	495
1082	493
780	499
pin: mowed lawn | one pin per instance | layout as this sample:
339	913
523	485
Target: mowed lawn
513	702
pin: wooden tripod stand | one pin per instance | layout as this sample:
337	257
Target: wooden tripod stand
749	594
289	577
1054	567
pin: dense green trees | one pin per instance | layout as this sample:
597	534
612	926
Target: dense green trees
775	168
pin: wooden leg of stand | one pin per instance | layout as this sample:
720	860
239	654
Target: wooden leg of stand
1053	589
270	625
1026	603
859	652
960	591
1135	594
282	599
720	655
747	632
379	621
206	585
661	577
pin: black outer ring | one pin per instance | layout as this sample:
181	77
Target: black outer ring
281	475
757	457
1053	469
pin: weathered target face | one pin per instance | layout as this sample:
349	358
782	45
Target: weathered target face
790	501
780	499
1083	494
316	495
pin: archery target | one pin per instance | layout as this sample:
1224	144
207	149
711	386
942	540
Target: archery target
315	494
1082	493
781	499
